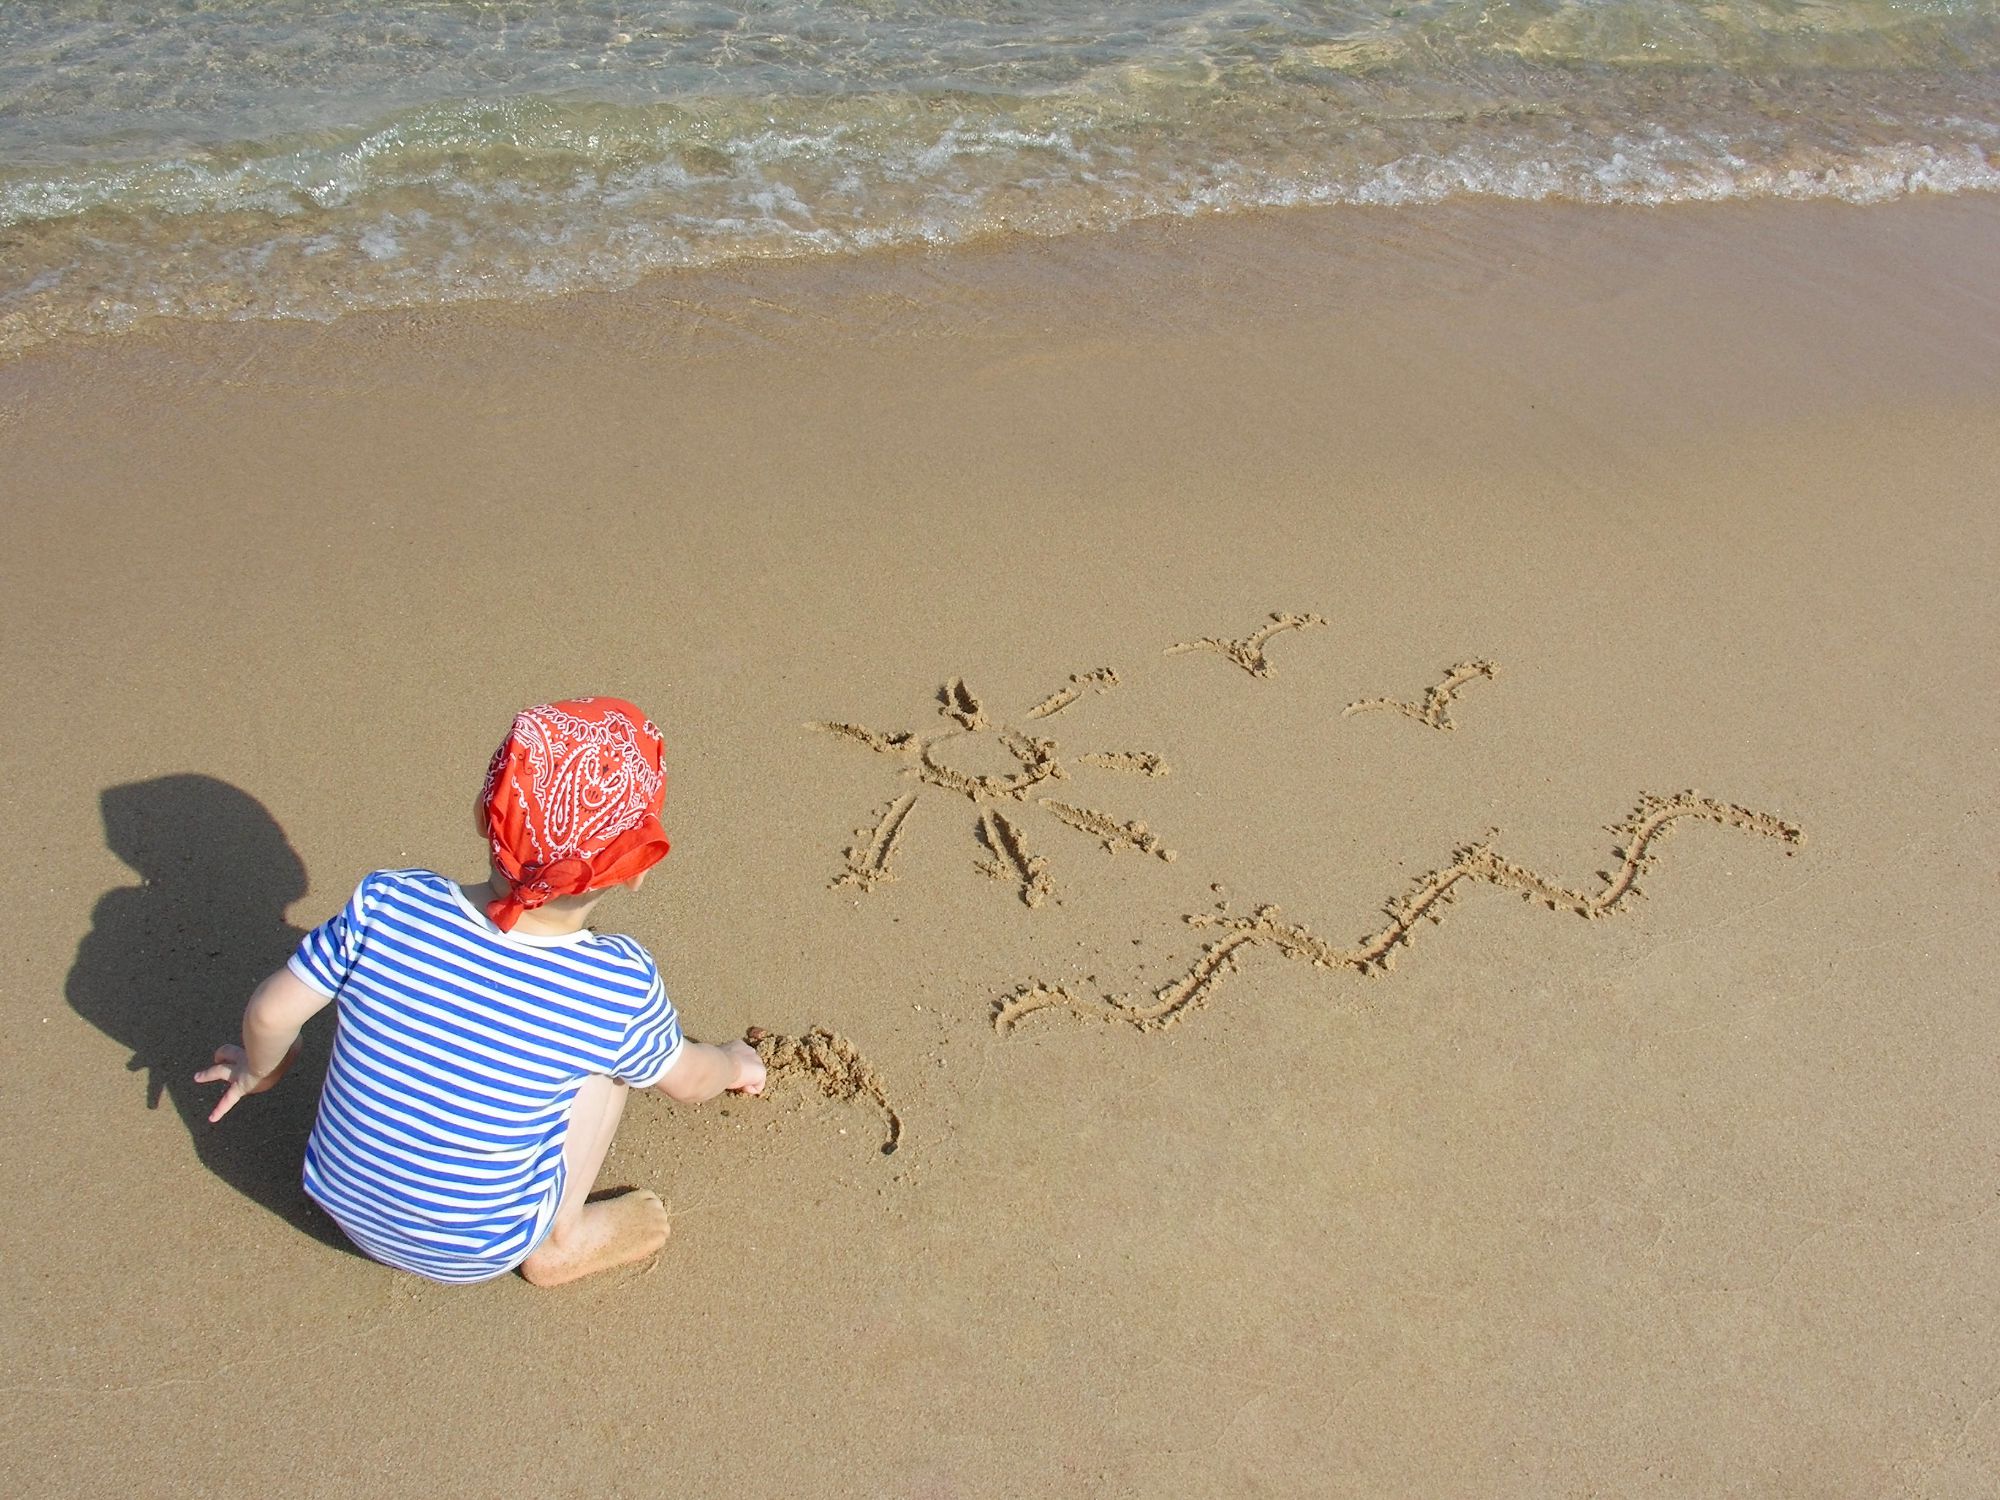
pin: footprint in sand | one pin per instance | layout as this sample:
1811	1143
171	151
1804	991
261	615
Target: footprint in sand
1477	863
1028	764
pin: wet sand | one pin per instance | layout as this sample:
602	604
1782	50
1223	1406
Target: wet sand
1697	1196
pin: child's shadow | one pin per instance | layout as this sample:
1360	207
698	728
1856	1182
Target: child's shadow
169	963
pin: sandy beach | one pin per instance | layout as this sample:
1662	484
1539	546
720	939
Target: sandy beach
1506	1011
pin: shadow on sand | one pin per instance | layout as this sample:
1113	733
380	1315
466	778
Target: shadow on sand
169	963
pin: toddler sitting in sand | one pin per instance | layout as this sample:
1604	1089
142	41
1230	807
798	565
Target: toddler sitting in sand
486	1038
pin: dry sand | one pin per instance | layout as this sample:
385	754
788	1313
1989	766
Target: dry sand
1697	1198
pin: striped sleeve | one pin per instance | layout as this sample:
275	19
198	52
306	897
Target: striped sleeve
326	953
653	1043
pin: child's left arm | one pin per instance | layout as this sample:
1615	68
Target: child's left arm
271	1021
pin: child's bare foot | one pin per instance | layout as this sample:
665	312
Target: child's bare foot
609	1232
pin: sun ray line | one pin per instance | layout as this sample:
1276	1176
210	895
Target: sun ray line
1103	680
1113	834
956	701
868	864
1138	762
1012	858
883	744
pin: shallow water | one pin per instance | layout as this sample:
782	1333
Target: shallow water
281	158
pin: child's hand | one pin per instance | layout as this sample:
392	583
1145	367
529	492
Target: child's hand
232	1066
749	1068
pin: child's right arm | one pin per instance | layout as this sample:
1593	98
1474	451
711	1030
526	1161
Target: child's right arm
703	1071
271	1021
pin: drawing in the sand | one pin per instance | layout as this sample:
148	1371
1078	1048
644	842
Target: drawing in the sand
1477	863
1248	653
1029	762
868	862
831	1063
1435	710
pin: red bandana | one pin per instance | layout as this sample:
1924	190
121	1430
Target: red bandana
572	802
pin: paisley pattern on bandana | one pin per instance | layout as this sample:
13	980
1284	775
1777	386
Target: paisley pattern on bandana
572	802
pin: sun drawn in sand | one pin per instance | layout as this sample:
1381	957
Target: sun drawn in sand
996	766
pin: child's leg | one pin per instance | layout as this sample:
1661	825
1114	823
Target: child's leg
589	1237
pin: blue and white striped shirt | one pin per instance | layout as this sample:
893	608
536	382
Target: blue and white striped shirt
457	1057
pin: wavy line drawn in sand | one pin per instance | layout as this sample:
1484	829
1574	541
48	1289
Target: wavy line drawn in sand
1435	709
831	1063
1374	954
868	863
1028	760
1248	653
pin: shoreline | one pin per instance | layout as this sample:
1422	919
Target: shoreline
1445	238
1690	1198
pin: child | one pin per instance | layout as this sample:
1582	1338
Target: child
486	1037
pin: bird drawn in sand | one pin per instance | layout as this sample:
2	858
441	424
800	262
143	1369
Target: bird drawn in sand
1375	954
1435	710
1248	653
1031	764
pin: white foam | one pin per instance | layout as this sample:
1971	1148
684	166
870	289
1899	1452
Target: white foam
478	200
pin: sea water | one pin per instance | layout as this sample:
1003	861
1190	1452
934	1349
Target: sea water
298	158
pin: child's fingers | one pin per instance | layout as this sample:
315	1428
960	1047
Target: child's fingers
227	1102
226	1061
228	1057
